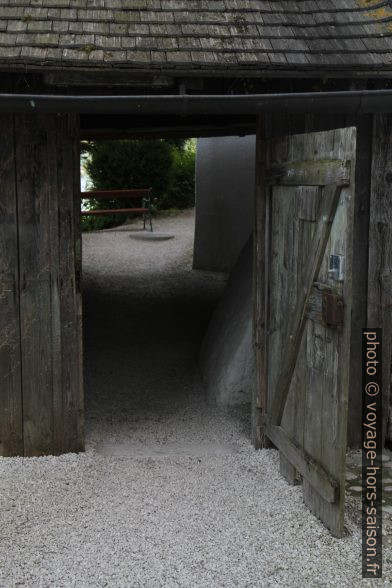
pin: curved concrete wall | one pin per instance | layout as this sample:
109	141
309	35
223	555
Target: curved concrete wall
225	185
227	360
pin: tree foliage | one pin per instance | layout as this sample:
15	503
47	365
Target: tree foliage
130	164
166	166
181	189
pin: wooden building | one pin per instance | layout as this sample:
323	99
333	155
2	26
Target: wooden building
312	78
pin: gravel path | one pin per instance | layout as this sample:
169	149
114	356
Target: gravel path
198	507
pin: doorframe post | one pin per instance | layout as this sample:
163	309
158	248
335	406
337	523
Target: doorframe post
260	286
380	250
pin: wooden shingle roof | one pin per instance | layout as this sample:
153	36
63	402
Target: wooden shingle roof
186	35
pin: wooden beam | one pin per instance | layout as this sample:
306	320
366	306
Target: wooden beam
77	438
159	131
310	173
364	126
71	399
46	163
380	248
106	79
11	429
33	165
314	473
260	287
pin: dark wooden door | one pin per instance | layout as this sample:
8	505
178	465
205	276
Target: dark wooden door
309	228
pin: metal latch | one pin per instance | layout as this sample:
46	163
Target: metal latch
336	267
332	309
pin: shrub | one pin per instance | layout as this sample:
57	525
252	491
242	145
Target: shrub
181	190
130	164
167	166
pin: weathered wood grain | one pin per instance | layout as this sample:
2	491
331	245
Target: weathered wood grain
288	471
364	126
380	248
314	418
70	295
260	289
283	125
336	363
11	430
34	154
305	464
74	126
298	317
310	173
46	180
66	299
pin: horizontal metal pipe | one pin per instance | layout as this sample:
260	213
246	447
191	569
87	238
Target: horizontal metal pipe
356	101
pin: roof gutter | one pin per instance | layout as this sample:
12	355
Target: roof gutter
350	102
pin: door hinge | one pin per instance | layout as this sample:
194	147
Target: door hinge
332	309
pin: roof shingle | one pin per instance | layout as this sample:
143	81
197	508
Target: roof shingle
187	34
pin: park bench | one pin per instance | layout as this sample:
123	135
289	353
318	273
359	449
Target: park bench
141	196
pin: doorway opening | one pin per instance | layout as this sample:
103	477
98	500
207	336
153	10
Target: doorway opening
156	333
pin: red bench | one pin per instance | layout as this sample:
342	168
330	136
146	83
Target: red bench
143	196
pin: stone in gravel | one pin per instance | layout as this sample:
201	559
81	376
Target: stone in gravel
355	488
355	458
351	476
387	489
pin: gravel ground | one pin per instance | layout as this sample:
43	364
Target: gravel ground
200	517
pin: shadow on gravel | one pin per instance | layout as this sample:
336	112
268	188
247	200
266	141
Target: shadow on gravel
143	326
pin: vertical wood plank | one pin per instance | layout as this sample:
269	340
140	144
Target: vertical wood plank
75	136
360	272
260	288
330	373
48	194
288	471
11	431
380	248
54	229
34	156
70	293
66	295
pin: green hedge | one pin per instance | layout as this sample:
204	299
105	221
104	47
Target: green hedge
168	167
181	189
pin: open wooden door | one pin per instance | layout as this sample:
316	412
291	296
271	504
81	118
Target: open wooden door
307	244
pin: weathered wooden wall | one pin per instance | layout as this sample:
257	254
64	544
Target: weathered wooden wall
260	260
11	426
380	246
359	274
40	357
